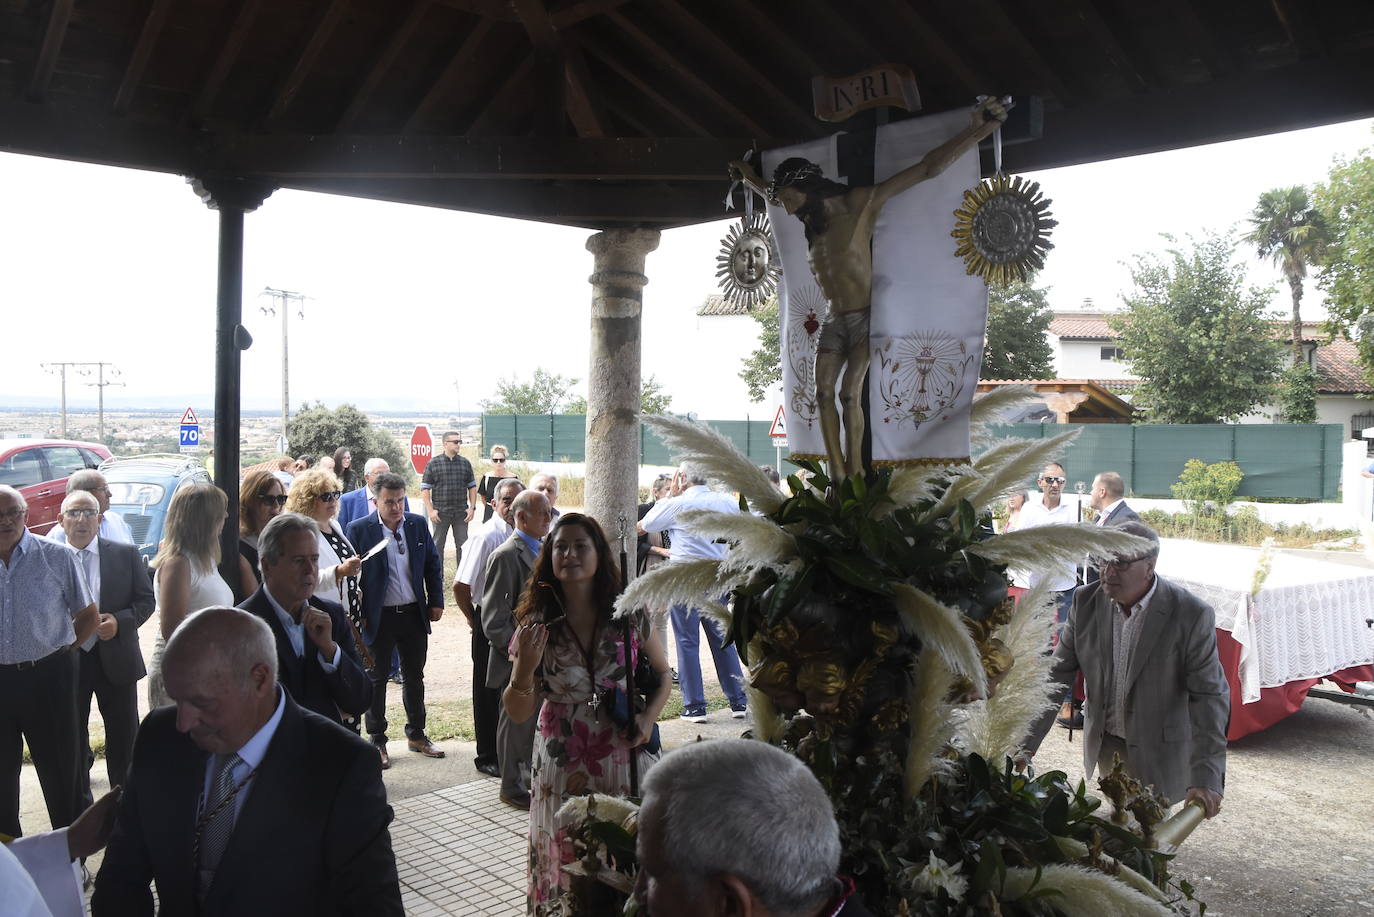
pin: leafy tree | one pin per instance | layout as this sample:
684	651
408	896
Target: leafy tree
1298	394
763	368
319	431
1347	200
1286	228
546	393
1018	319
652	399
1201	344
1207	488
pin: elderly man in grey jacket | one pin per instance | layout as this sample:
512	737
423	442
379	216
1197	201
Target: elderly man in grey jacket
1157	695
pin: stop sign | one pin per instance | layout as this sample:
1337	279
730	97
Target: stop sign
421	448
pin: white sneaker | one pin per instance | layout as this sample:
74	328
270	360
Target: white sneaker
737	713
693	715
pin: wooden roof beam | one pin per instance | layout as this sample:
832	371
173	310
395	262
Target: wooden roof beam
1297	24
587	9
382	65
143	50
48	52
305	62
684	72
1001	22
706	37
1215	58
550	74
453	71
496	10
779	40
585	107
973	79
648	91
501	99
224	61
1107	36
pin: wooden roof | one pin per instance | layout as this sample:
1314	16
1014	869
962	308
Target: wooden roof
605	113
1075	400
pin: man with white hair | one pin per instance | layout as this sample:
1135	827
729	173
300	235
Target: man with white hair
547	484
738	827
110	662
357	504
691	493
242	802
46	609
112	525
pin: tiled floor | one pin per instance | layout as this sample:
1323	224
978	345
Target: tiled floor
460	850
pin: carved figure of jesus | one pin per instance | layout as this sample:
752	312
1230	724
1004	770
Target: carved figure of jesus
839	223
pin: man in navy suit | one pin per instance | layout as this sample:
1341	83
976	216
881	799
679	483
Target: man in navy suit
358	503
403	592
317	662
109	662
1108	498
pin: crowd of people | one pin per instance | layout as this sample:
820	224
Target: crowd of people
282	698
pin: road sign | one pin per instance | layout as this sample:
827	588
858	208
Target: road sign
190	432
779	427
421	448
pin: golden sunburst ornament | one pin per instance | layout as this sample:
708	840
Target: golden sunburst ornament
748	264
1003	229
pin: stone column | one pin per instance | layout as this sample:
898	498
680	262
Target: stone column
612	482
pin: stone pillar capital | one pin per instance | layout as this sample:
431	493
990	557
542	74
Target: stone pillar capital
230	192
623	243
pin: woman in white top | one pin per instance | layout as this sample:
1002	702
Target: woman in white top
316	494
186	578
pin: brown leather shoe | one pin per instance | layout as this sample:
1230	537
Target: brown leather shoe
386	758
425	747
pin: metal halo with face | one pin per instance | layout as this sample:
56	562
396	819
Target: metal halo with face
747	266
1003	229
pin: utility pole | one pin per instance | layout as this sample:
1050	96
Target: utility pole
83	369
281	301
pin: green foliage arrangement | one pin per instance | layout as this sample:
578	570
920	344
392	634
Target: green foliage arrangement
1201	344
1298	394
318	430
1018	319
1346	200
763	367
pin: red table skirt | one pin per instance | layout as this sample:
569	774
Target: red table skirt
1274	703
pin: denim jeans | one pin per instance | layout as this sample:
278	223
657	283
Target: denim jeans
687	625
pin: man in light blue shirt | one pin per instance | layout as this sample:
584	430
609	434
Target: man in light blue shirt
691	493
46	609
112	525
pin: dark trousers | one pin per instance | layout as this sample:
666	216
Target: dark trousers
402	631
119	712
457	522
486	702
39	705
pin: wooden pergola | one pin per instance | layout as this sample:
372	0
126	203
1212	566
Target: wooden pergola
620	115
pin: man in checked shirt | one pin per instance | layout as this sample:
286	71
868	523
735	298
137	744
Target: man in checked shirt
449	489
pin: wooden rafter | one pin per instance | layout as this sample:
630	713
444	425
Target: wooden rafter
453	71
973	79
497	10
661	101
585	108
305	62
1296	21
1108	36
704	37
802	61
502	98
685	72
143	50
835	24
50	49
224	61
550	74
382	65
587	9
1000	21
1184	18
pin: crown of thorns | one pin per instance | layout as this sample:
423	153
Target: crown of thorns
803	172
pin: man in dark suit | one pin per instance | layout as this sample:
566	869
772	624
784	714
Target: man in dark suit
1157	695
317	662
403	593
109	662
508	569
363	502
239	801
1108	498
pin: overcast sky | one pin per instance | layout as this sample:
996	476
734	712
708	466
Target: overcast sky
116	265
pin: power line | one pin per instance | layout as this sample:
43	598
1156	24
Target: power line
281	300
84	369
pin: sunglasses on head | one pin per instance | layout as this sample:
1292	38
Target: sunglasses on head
331	495
1051	479
269	499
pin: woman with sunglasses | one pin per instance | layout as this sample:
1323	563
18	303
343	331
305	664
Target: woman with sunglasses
486	488
316	494
261	496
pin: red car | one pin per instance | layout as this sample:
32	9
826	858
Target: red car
39	468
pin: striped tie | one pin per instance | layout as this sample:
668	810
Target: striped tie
219	815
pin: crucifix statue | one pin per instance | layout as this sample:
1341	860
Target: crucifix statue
839	223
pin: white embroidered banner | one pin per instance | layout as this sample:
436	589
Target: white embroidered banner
928	316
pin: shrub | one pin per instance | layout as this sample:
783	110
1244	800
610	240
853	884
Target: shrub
1208	489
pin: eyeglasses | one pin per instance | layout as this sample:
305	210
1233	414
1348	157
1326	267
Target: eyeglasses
80	513
1121	564
330	496
1051	479
13	515
499	461
269	499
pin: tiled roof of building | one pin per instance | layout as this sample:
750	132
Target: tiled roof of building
716	304
1339	371
1089	326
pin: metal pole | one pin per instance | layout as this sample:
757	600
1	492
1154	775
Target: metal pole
285	369
64	400
228	315
100	410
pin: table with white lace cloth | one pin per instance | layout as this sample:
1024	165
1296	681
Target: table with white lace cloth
1307	621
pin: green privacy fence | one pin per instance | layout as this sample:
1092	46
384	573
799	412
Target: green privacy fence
561	438
1279	460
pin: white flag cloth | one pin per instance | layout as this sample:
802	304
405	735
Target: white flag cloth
928	316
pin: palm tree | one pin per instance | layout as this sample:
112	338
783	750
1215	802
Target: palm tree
1287	228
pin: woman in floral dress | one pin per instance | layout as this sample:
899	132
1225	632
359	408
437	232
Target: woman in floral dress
568	647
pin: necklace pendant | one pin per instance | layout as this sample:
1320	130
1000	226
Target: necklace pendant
594	702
